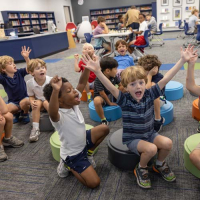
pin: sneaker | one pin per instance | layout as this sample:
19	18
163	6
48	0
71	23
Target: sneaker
105	122
25	118
89	99
158	124
34	136
92	162
62	169
3	155
198	129
13	142
165	172
142	176
16	118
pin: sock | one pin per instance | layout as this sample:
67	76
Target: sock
158	119
159	163
140	166
7	138
90	152
103	119
35	125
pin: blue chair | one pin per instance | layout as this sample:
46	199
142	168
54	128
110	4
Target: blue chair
189	34
173	91
181	28
137	48
157	39
167	111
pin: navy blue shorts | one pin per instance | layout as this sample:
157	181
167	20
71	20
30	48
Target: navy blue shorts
80	162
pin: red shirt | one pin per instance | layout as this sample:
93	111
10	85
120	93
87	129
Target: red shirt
92	76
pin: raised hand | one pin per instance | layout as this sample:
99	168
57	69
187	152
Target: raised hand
25	52
92	65
76	56
193	59
56	83
153	71
188	53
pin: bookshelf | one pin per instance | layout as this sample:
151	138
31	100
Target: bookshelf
28	19
111	14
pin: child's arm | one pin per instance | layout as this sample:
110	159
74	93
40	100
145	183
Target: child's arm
151	73
25	53
56	83
76	67
3	106
105	31
186	55
93	65
190	82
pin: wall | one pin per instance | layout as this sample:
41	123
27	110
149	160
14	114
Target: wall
38	5
84	10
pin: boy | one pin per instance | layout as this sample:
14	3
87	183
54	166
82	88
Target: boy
121	22
102	29
13	82
138	116
6	124
192	87
75	140
102	96
151	21
79	66
151	65
37	68
123	59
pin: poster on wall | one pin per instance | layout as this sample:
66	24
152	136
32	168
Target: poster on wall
177	14
190	1
164	2
177	2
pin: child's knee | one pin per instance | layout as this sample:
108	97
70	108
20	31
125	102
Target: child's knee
195	156
97	102
168	144
8	117
151	150
105	129
2	123
94	183
24	103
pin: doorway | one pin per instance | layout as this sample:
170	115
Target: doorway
68	17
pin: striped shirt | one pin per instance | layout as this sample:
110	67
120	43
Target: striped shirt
138	117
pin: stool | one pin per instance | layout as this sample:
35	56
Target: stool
197	82
111	113
2	136
84	95
167	111
189	145
119	154
44	123
195	110
55	144
173	90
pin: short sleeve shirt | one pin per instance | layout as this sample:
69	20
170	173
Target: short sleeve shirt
143	27
192	22
15	87
124	61
98	41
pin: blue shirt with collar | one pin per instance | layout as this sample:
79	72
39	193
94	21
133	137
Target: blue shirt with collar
124	61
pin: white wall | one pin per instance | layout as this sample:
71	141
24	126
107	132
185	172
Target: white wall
39	5
170	7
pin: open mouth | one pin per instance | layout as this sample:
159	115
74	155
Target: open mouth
41	74
77	98
138	94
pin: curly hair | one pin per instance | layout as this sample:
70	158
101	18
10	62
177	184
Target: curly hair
33	63
4	60
149	61
48	89
123	42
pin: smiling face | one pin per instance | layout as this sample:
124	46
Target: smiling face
137	89
39	72
69	96
122	49
87	49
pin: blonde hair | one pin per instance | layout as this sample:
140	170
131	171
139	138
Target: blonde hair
193	11
88	44
4	61
131	74
33	63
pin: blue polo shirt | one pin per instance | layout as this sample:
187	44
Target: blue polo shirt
15	87
124	61
138	117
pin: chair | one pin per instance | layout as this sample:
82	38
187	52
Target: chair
36	30
181	28
198	35
190	35
137	48
70	26
94	23
158	40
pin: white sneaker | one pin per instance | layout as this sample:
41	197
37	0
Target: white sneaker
92	162
34	136
62	170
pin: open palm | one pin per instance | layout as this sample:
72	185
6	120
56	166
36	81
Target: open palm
189	53
25	52
92	65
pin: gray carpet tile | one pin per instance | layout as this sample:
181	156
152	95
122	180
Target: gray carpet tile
30	172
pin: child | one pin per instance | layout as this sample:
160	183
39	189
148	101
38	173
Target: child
138	116
6	124
102	29
79	66
75	140
102	96
151	65
37	68
123	59
121	22
13	82
195	89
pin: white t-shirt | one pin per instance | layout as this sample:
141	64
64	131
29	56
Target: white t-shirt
71	130
33	89
143	27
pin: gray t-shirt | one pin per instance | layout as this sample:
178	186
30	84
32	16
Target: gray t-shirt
192	23
153	24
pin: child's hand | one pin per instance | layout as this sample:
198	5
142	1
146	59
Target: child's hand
92	65
56	83
25	52
188	53
34	104
153	71
193	59
76	56
112	104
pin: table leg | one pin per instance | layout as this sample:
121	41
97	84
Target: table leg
112	46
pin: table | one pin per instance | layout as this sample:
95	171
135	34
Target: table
112	37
